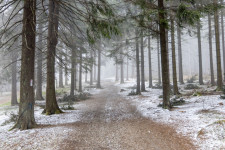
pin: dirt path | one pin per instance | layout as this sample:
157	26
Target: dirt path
110	122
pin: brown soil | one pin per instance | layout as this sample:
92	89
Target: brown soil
111	122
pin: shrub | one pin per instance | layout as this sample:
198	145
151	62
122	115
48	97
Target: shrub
191	87
12	118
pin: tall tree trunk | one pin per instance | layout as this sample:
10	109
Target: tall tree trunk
158	55
66	69
218	56
76	74
26	107
149	62
91	69
95	65
60	71
121	68
80	72
86	71
51	103
73	68
127	69
210	51
164	57
180	60
133	69
223	44
138	91
14	79
142	64
39	63
99	69
117	77
175	87
200	53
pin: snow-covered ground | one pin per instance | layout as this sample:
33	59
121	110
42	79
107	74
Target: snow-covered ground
202	118
38	138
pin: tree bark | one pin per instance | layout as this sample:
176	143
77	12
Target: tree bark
72	85
26	107
51	103
159	65
39	63
86	71
200	53
164	57
149	62
60	71
127	69
99	69
138	91
80	72
223	44
175	87
180	60
121	68
117	77
91	69
210	51
95	65
14	79
218	55
142	64
66	69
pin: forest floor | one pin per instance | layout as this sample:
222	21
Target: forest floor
200	115
105	121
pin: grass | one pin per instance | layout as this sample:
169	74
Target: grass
5	104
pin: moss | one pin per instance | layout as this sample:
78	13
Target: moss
220	122
58	111
47	113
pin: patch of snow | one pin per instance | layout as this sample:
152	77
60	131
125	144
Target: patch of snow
202	117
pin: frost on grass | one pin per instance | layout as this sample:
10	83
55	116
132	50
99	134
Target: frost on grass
51	128
201	117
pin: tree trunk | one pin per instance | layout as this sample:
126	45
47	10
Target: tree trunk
210	52
76	75
66	70
127	69
164	57
117	77
180	60
218	56
99	69
95	65
86	71
91	70
121	68
223	44
149	62
138	91
14	79
142	64
60	71
80	72
51	103
73	68
26	107
159	68
39	63
200	53
175	87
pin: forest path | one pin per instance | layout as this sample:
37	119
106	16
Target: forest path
110	122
